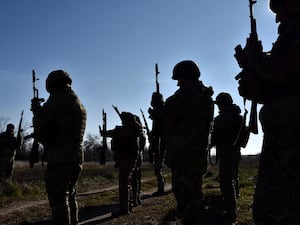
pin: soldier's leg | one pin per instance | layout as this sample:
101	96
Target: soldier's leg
227	183
157	166
75	173
57	187
277	196
9	170
124	189
134	185
2	169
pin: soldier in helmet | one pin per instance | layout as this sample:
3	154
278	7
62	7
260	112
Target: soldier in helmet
125	146
225	131
186	118
60	124
277	74
8	146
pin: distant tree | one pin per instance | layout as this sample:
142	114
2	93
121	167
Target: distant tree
91	147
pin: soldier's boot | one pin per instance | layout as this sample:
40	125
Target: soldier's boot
60	214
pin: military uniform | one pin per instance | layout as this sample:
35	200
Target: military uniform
125	148
59	126
277	193
8	147
225	131
186	117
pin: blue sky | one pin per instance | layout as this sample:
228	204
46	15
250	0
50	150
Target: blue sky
110	48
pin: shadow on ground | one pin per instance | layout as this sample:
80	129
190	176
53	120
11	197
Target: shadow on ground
210	215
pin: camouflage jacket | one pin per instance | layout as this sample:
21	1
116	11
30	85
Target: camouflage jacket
125	142
226	126
60	126
186	118
8	145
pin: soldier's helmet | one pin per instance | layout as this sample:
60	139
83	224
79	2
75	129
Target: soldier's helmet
129	119
186	70
57	79
223	99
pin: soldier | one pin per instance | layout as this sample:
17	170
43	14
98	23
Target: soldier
59	126
225	131
8	146
137	173
186	117
124	144
275	76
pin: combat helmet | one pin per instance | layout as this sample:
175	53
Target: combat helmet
223	99
57	79
186	70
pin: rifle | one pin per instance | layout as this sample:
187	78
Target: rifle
103	130
253	38
34	154
154	137
117	110
20	130
146	124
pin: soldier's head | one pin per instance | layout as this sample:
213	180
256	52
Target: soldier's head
10	129
129	119
223	99
58	80
186	70
285	9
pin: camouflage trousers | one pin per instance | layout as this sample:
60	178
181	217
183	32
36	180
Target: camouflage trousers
136	182
61	181
228	173
277	193
157	167
6	169
125	167
187	188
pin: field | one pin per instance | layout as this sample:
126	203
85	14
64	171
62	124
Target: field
25	200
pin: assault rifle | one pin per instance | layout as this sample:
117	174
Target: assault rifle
102	131
34	154
154	137
19	133
253	38
146	124
117	111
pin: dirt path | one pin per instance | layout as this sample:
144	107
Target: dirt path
22	205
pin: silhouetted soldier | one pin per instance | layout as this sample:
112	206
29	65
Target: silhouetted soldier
59	126
186	118
225	131
275	78
8	146
124	144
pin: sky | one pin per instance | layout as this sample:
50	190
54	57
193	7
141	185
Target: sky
110	48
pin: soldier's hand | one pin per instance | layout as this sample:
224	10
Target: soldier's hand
253	47
35	105
240	56
157	100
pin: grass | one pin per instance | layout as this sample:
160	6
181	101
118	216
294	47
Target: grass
28	185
